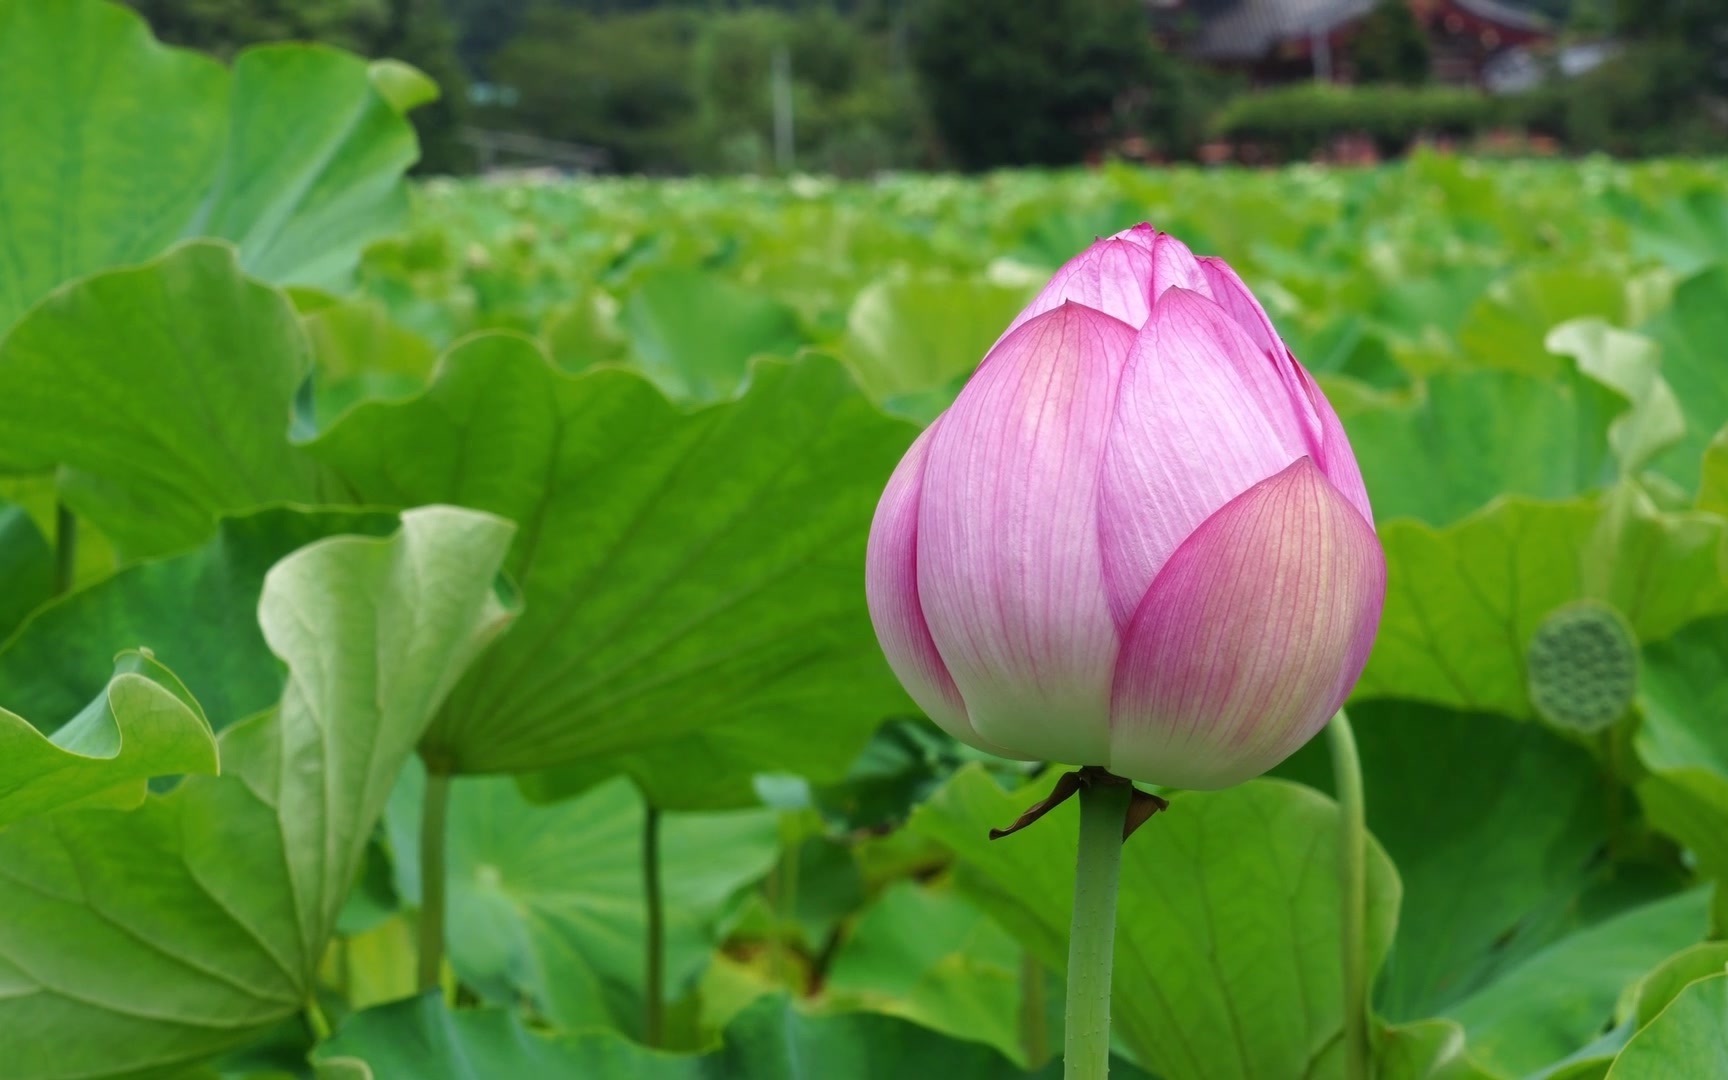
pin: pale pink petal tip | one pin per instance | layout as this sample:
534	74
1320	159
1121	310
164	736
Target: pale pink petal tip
1250	638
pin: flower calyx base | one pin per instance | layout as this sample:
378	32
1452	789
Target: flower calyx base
1141	805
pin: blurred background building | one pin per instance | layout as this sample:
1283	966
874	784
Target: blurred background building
854	87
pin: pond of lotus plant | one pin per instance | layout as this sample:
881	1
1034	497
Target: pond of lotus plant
595	628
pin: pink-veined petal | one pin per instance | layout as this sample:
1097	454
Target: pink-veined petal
1113	276
1250	638
1335	457
891	587
1009	572
1234	296
1201	416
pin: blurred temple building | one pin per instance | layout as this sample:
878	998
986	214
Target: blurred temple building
1279	41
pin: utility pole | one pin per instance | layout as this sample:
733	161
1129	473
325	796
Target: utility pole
782	96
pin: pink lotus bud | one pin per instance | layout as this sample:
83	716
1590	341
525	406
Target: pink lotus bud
1138	538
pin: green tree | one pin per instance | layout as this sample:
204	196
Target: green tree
620	82
1034	82
1390	46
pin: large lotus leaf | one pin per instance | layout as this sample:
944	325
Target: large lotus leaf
1692	332
1683	741
1563	996
906	336
1688	1038
312	169
1460	799
693	581
1228	913
1506	328
929	956
160	936
1475	435
771	1040
1463	602
163	393
197	612
546	902
1687	231
695	333
113	147
27	567
143	724
1684	699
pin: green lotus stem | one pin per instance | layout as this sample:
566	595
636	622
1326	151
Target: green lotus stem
1352	893
434	812
654	980
1092	936
65	548
1034	1024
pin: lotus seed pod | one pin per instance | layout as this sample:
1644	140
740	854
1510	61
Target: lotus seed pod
1583	665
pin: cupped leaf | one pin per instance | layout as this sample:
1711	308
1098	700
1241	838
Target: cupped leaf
1494	576
163	394
693	581
116	147
197	612
771	1040
1227	932
1688	1038
158	937
546	902
144	724
1629	364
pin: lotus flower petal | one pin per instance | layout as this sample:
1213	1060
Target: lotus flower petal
1202	416
1009	569
891	584
1334	455
1233	295
1112	276
1251	636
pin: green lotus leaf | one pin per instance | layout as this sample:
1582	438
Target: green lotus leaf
1228	911
1475	435
1496	575
693	580
161	936
116	147
1688	1038
163	394
420	1039
197	612
545	903
1458	799
143	724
